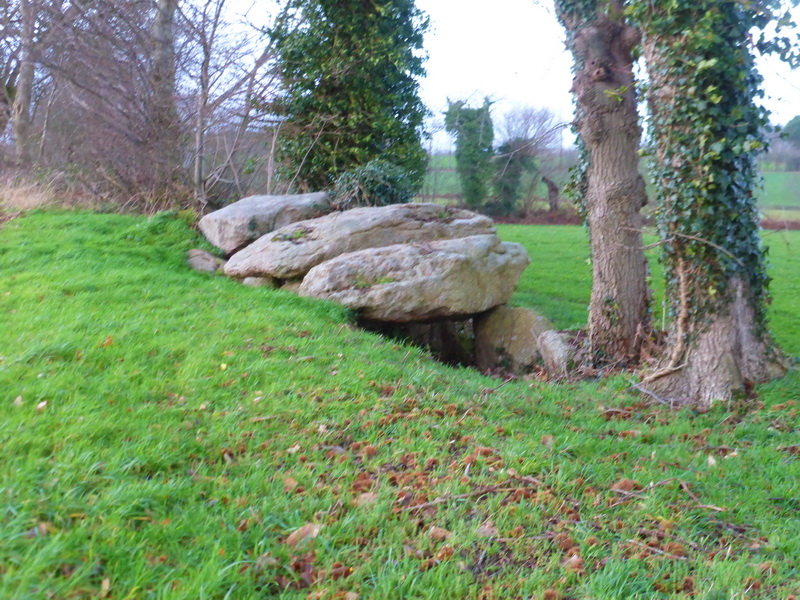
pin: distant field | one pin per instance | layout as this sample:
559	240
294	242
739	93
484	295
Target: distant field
781	188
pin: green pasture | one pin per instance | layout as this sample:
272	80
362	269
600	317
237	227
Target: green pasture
779	198
169	434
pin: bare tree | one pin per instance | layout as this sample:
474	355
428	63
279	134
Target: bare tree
537	125
142	100
528	135
230	76
164	120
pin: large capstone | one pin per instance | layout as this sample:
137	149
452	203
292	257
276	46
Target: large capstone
243	222
291	252
421	281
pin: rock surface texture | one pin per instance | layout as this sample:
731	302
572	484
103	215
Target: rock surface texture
243	222
202	260
508	337
293	251
421	281
556	353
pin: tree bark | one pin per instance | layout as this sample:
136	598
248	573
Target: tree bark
9	83
21	112
164	117
608	125
714	356
718	343
200	126
552	193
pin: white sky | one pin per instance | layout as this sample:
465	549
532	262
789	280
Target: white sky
514	53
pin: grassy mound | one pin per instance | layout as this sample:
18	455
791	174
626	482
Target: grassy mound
172	434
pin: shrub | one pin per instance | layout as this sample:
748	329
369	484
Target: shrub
377	183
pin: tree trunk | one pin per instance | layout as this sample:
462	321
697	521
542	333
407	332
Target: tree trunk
21	113
200	131
713	356
552	193
9	83
718	342
608	124
164	116
46	123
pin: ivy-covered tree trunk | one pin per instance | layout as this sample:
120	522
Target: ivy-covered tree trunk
552	193
613	190
474	133
707	132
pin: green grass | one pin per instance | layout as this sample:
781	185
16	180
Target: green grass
192	424
781	190
558	280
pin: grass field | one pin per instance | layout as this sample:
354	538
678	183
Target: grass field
170	434
558	280
779	199
781	190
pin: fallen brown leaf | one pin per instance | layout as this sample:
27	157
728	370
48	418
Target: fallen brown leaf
363	482
628	433
438	534
339	571
445	553
573	563
563	541
367	499
625	485
487	530
675	548
306	532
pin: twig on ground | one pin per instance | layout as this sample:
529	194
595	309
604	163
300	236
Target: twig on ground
497	488
665	401
486	392
686	489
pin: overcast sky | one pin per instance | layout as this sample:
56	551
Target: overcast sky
514	53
